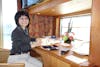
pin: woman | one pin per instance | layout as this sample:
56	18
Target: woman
21	42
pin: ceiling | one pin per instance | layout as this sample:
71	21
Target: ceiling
60	7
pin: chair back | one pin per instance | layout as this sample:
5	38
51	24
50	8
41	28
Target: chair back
4	53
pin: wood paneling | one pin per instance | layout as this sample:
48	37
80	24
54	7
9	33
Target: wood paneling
53	59
95	35
44	7
60	7
19	6
57	27
50	60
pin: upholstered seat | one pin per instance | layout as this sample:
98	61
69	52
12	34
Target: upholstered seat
4	53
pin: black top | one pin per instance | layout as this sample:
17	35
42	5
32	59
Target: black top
20	41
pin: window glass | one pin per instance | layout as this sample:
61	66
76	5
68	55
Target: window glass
80	26
9	9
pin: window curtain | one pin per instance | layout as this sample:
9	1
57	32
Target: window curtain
41	26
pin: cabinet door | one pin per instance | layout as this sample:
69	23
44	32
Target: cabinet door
62	64
56	62
46	60
52	61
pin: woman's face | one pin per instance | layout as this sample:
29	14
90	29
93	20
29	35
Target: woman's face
23	21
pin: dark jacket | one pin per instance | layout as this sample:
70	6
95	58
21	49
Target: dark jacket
20	41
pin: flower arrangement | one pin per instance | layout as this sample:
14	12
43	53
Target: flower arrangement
68	37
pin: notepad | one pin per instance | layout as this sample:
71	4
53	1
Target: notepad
75	59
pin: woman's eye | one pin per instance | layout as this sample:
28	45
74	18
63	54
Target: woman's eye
24	18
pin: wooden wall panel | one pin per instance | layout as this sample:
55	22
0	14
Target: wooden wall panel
57	33
19	7
46	5
95	35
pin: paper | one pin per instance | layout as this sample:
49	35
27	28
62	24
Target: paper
75	59
65	44
48	41
82	48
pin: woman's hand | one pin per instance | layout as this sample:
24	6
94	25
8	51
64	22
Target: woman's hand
37	43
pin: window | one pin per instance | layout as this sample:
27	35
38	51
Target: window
9	9
81	27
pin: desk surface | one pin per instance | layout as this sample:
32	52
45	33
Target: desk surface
55	53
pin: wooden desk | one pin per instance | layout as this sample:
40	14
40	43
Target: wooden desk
53	59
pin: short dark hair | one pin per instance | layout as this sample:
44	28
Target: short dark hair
19	14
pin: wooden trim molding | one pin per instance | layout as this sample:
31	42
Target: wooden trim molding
57	27
94	57
19	7
87	11
1	30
